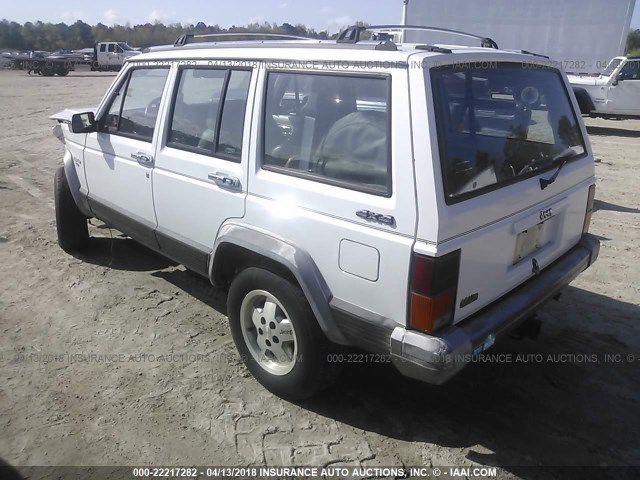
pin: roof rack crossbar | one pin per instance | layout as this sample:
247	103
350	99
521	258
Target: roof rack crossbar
352	34
527	52
217	37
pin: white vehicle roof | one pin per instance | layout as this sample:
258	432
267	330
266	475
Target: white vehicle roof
323	50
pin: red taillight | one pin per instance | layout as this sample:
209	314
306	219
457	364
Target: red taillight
589	212
432	294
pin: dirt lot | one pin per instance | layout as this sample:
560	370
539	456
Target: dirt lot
63	403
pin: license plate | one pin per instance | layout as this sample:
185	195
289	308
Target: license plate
528	242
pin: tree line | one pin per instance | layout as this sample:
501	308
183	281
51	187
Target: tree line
633	42
55	36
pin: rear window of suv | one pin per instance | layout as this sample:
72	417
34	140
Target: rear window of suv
500	125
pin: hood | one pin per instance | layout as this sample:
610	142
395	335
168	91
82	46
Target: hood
587	80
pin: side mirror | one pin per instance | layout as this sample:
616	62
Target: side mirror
619	78
83	123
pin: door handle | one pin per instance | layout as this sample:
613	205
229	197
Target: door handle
142	157
224	181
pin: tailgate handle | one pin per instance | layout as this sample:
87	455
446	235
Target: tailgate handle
535	267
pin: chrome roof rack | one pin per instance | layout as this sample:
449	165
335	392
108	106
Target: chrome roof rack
352	34
217	37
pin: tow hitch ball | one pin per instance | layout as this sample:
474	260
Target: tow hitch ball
529	328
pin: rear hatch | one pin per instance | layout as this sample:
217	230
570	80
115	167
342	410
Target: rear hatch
514	169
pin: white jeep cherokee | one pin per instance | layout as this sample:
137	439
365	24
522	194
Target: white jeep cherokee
414	201
615	93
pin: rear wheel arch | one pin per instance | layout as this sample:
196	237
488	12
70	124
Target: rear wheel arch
231	258
239	247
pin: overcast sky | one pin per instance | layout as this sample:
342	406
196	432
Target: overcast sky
321	15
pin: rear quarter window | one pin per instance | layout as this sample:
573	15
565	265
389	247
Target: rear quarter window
329	128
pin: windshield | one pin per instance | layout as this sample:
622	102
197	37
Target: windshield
500	125
124	46
613	64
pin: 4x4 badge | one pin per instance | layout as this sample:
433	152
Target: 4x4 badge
377	217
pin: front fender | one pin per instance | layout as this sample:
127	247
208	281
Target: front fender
74	184
585	102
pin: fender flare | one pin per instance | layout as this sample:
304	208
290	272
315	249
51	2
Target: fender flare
584	100
74	184
294	259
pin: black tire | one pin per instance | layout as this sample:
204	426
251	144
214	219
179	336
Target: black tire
312	371
71	224
47	71
63	72
584	100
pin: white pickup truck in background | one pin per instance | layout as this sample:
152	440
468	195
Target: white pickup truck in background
111	55
615	93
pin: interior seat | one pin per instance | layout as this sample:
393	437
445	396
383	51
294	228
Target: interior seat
355	149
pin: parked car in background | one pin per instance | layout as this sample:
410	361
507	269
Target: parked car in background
38	54
43	63
615	93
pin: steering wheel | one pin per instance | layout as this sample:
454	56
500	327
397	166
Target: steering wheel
152	108
509	168
530	166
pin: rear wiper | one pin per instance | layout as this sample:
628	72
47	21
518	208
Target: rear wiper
565	156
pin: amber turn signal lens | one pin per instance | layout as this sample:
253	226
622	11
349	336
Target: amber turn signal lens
430	313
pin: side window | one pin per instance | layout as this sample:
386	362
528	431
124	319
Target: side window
233	110
208	112
333	129
103	47
112	47
135	106
631	71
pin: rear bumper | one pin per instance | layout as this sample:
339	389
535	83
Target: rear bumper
436	359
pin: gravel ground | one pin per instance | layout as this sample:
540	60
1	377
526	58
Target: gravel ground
63	402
